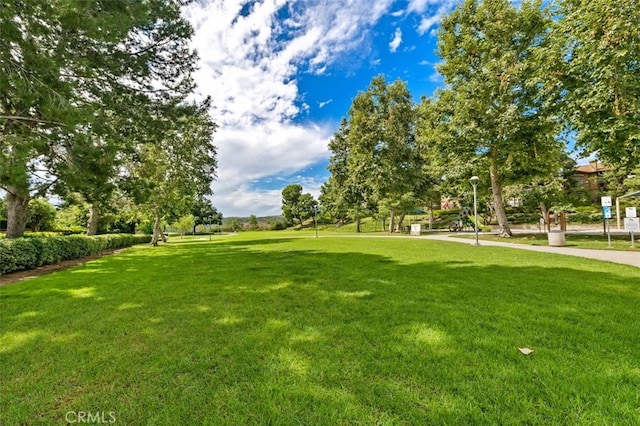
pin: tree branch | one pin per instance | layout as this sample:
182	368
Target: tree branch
34	120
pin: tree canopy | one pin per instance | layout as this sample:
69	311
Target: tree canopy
82	86
593	64
492	109
296	205
375	157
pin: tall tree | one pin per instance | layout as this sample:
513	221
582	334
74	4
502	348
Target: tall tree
306	206
290	198
332	202
493	109
64	61
205	213
90	170
384	160
297	205
344	195
184	224
253	222
594	67
176	168
374	152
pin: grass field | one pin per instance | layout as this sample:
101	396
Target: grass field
272	328
585	241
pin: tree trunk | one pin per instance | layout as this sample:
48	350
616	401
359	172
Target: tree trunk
157	232
358	224
94	216
399	225
17	211
430	219
392	220
545	217
501	214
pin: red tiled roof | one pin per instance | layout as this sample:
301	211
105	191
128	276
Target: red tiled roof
592	167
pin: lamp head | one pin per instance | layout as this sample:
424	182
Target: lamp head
474	180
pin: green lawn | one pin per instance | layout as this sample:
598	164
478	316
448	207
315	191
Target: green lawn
274	328
584	241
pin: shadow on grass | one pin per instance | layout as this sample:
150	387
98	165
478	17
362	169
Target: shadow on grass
250	332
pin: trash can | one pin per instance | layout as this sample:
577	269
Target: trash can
556	239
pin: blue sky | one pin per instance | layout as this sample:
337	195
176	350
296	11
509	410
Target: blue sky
283	73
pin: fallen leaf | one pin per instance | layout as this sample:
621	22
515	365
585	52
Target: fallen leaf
525	351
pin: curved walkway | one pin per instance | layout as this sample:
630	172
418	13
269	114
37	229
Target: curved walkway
623	257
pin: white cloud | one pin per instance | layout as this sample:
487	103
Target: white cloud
419	6
397	40
429	21
432	19
249	65
266	150
436	77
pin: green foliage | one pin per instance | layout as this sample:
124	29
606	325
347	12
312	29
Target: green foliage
621	182
492	113
83	84
42	215
375	158
205	213
586	215
71	216
297	205
174	171
33	251
145	227
592	66
290	197
231	225
332	202
3	213
253	222
278	225
306	206
184	224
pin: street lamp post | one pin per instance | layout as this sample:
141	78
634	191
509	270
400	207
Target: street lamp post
315	218
474	182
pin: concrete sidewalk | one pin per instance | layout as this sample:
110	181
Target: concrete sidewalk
623	257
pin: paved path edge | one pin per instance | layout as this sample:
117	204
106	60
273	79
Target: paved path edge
615	256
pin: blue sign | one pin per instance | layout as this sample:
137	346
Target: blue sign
606	212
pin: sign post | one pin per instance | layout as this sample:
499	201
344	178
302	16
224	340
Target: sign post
631	223
606	216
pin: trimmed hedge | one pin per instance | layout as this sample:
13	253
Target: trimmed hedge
30	252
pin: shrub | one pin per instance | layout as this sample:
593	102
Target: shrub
33	251
277	225
589	216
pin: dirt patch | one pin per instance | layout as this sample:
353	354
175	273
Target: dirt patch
19	276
